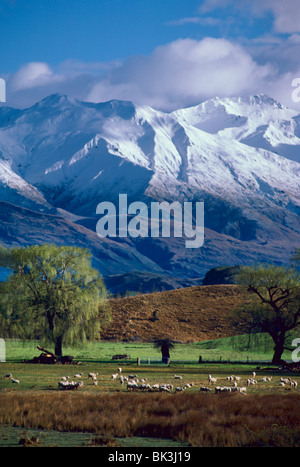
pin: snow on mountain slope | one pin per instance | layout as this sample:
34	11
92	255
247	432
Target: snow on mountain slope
257	121
239	155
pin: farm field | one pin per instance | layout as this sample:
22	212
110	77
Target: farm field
35	411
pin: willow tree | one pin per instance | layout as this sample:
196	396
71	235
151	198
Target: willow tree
275	304
53	294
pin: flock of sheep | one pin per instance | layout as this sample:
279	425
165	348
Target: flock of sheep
141	384
133	383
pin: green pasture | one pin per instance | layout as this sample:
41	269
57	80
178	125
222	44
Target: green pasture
244	348
220	358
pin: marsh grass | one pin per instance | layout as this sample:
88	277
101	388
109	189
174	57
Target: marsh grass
198	419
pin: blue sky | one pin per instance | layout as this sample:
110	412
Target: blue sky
164	53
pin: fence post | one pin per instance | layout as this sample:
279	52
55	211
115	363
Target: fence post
138	361
2	351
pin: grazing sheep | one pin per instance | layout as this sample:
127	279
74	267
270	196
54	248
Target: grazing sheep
114	376
120	370
219	389
293	383
251	381
253	374
211	380
92	375
8	376
177	377
95	383
155	386
205	389
15	381
285	380
165	387
68	385
132	385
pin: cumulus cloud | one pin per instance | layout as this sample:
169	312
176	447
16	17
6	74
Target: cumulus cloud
183	73
179	74
33	75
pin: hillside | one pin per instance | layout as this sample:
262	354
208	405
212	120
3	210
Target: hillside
187	314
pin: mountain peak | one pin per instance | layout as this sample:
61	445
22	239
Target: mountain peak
55	100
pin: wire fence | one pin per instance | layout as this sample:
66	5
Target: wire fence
148	361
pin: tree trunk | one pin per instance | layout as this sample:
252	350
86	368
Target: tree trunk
278	349
165	352
58	347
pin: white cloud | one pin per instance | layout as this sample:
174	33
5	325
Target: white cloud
286	14
32	75
179	74
183	73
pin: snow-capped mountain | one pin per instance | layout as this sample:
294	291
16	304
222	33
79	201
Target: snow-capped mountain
241	156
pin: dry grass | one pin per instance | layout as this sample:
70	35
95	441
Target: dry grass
200	419
187	314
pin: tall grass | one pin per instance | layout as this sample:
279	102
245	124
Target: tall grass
199	419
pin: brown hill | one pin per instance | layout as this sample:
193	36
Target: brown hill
188	314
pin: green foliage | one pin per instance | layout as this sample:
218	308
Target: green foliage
52	294
274	304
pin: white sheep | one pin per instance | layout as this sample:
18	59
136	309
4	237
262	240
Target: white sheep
114	376
285	380
253	374
251	381
165	387
132	385
15	381
219	389
155	386
205	389
211	380
120	370
92	375
293	383
177	377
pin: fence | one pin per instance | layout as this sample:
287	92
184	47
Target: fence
2	350
147	361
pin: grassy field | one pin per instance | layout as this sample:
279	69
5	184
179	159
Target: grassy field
238	348
35	412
